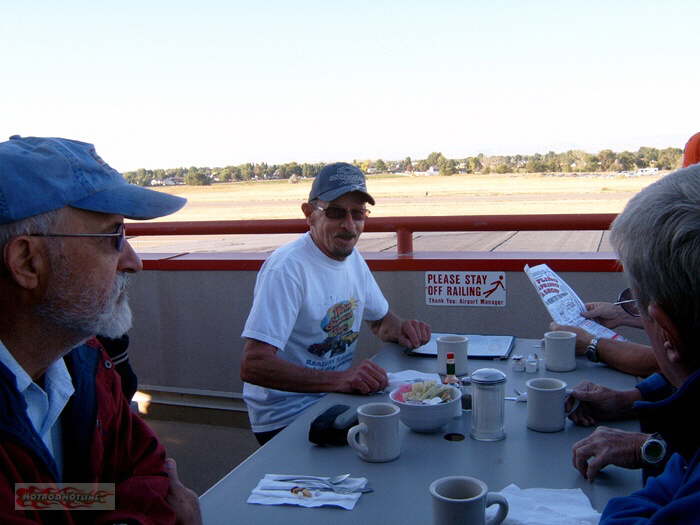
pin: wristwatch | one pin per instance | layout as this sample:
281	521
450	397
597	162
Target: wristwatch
654	449
592	350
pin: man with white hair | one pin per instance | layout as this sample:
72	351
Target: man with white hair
64	265
657	238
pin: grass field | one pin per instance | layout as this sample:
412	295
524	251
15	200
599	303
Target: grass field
421	195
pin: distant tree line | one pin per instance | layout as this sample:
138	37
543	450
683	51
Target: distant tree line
203	176
572	161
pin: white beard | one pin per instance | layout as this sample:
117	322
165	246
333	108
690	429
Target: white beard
115	320
80	310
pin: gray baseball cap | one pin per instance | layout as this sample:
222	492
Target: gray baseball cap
337	179
39	174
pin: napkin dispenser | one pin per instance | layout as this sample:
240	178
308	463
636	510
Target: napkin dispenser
331	427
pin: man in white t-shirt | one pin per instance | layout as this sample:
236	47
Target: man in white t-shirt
310	299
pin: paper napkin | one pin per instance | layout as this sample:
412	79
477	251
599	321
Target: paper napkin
269	491
396	379
547	507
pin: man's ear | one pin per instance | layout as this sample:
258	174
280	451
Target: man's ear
308	209
25	261
673	344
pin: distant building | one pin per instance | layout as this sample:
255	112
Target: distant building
647	171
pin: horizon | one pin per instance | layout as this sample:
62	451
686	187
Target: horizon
413	160
167	84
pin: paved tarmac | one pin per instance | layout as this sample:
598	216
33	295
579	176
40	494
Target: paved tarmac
504	241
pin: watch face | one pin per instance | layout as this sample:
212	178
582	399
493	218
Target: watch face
653	450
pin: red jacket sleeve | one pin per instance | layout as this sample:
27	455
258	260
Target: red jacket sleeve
127	452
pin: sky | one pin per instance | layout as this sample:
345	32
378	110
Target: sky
164	84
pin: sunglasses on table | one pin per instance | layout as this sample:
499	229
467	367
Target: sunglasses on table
337	213
628	303
119	236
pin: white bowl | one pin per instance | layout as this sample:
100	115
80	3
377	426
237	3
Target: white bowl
427	418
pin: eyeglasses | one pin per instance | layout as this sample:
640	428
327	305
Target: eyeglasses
119	236
627	303
336	213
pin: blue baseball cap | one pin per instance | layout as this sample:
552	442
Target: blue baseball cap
39	174
337	179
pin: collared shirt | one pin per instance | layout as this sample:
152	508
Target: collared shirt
44	405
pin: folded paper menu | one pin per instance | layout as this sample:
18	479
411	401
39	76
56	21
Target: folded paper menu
562	303
480	346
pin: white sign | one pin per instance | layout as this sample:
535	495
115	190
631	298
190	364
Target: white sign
465	288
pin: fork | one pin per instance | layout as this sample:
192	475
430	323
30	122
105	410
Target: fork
322	484
331	481
338	490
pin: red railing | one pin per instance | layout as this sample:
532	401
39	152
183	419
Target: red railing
404	227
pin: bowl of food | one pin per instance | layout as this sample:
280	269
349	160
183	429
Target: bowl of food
426	406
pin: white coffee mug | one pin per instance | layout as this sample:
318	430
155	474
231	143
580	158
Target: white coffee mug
461	500
376	437
456	344
560	351
546	397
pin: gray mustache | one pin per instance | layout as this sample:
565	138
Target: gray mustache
121	283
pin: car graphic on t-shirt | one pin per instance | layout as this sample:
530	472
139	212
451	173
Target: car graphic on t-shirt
335	345
338	324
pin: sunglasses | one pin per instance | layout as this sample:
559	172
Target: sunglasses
336	213
119	236
628	303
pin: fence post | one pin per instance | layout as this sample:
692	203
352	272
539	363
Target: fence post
404	241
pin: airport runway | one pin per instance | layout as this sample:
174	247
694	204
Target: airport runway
504	241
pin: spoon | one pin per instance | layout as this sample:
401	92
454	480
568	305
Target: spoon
520	396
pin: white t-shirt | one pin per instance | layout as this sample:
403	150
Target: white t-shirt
311	308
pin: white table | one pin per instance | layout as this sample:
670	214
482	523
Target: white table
525	457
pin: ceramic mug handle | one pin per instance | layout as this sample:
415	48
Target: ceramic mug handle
577	402
493	498
353	440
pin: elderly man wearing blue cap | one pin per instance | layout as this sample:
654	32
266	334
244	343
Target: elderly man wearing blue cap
309	302
64	263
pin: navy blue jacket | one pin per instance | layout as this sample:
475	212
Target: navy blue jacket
674	496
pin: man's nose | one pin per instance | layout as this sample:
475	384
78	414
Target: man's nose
129	261
348	223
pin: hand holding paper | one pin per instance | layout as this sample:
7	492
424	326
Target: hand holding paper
562	303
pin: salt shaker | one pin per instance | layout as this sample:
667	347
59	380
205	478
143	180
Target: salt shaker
518	363
532	364
488	404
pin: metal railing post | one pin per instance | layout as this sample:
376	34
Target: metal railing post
404	241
